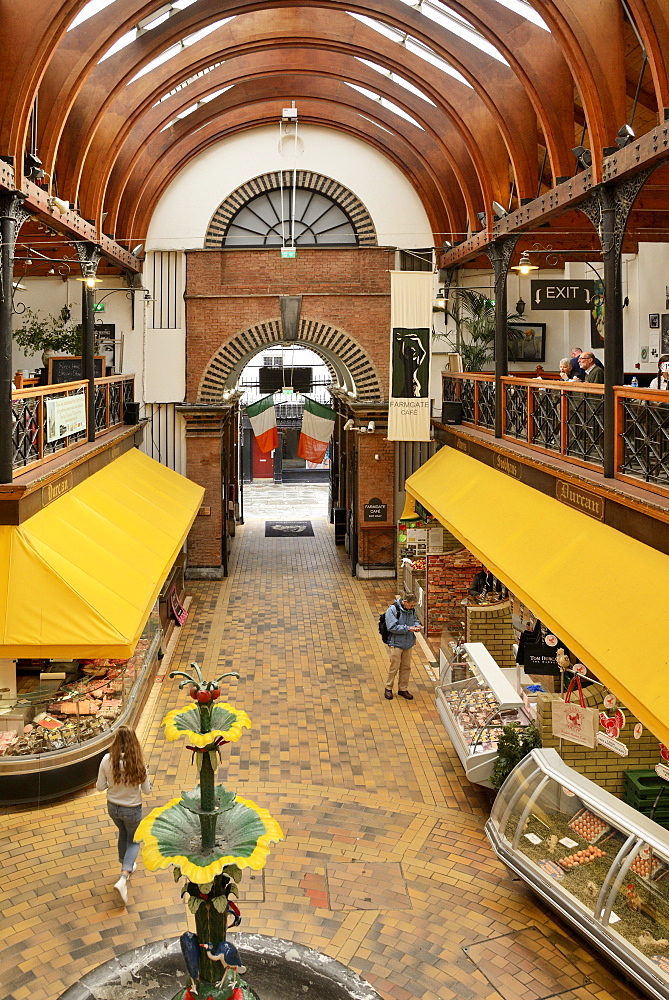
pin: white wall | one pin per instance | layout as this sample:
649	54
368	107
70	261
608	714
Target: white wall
183	214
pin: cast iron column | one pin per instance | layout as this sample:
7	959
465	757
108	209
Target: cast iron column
608	208
499	254
12	217
89	256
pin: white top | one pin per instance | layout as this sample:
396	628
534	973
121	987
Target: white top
120	795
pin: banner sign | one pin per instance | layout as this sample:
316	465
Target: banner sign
562	294
412	293
65	415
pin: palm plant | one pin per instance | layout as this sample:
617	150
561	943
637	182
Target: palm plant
473	316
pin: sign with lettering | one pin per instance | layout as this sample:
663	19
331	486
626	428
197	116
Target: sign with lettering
583	500
65	415
375	510
506	465
609	743
177	608
57	489
548	294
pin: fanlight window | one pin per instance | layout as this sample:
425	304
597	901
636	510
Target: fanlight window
300	218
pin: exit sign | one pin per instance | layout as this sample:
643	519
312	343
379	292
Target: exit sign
288	253
99	307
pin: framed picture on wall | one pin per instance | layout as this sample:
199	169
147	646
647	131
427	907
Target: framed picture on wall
526	341
654	321
664	335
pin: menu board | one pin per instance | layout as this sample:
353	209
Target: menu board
70	369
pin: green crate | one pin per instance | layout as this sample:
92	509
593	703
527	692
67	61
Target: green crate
642	786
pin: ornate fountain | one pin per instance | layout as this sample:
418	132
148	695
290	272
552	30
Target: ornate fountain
208	835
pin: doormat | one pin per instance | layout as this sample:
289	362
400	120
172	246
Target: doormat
525	965
288	529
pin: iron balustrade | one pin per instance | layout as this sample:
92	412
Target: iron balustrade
642	437
29	416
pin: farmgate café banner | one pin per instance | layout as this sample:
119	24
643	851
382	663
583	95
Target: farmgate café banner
411	295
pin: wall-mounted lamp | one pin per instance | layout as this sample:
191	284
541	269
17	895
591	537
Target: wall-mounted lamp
440	302
499	210
58	204
520	307
525	265
583	156
350	424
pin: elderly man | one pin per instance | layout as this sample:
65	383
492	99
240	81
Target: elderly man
592	372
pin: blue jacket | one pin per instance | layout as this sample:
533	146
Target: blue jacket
398	622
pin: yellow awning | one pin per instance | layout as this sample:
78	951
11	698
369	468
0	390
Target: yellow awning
79	578
600	591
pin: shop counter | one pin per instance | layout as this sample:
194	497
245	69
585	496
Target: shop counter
603	866
475	710
53	738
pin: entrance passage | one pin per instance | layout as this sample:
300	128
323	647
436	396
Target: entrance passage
305	501
262	462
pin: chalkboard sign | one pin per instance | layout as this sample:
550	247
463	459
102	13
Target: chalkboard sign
70	369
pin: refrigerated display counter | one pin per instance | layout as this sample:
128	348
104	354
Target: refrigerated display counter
603	866
475	710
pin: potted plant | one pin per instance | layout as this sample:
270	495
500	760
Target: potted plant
513	744
49	334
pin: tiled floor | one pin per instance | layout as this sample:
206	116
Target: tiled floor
385	865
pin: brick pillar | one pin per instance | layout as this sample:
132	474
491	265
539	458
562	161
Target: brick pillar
204	436
376	479
491	624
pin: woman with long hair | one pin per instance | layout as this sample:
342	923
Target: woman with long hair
124	775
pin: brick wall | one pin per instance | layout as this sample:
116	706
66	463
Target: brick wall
376	540
602	766
491	624
448	580
346	289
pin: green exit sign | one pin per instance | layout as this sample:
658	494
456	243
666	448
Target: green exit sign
288	253
99	307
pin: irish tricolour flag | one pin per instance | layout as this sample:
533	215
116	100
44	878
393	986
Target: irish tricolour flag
263	421
317	424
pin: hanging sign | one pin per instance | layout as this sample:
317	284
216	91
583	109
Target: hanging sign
178	610
662	771
562	294
65	415
411	324
610	744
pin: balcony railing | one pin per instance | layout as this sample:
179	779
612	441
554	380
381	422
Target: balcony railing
34	443
566	419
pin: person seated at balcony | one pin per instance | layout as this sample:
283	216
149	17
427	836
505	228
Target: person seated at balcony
576	370
661	380
567	373
592	372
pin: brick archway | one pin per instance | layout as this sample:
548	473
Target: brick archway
346	360
360	218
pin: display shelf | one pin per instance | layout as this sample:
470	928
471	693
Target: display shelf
55	736
475	710
597	861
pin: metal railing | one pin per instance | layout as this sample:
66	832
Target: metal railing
31	440
566	419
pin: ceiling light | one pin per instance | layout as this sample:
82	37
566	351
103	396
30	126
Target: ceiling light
136	249
625	136
499	210
481	217
524	265
583	155
58	204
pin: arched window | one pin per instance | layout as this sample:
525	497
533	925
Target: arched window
272	218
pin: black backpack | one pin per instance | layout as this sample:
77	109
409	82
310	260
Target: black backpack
383	628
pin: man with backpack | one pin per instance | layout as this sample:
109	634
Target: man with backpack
401	626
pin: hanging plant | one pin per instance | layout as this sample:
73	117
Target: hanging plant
39	332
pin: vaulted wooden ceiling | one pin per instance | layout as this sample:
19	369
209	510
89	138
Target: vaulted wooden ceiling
495	101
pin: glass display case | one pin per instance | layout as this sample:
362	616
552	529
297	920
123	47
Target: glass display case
53	734
601	864
475	709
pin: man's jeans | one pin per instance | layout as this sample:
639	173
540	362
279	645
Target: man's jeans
127	820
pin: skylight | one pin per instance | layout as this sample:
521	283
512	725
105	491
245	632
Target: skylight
194	107
526	11
174	50
91	8
396	79
372	122
388	105
187	82
457	24
413	45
